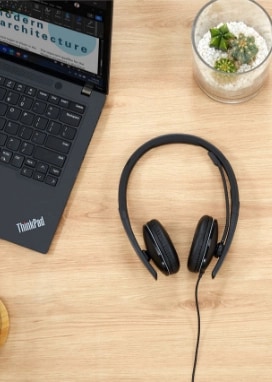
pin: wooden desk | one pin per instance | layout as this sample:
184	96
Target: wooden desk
89	311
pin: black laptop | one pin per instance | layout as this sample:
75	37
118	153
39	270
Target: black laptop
54	78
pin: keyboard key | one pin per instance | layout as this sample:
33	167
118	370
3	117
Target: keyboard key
12	98
55	171
38	176
25	132
39	107
52	112
30	162
70	118
3	138
68	132
40	123
17	161
25	102
54	127
2	123
13	113
43	95
3	109
26	148
12	128
27	118
19	87
27	172
58	144
53	99
13	143
77	107
9	84
5	156
64	103
30	91
49	156
38	137
51	180
2	93
42	167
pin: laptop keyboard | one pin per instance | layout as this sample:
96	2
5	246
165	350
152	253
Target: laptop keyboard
36	130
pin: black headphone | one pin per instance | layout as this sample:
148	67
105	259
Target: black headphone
205	243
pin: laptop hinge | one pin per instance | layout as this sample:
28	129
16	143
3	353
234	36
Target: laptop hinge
87	90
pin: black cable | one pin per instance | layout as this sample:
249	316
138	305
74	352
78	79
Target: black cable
198	324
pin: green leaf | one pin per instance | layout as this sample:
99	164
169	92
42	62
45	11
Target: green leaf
224	29
215	42
220	37
214	32
223	45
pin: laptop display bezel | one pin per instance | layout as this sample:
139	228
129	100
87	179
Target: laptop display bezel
99	82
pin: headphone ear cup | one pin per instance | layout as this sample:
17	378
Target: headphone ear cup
203	245
160	247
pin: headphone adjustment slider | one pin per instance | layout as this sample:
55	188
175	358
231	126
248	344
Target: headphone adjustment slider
146	255
219	250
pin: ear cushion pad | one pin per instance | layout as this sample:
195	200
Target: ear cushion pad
160	247
204	244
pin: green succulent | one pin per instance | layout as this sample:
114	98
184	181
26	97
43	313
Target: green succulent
220	37
243	49
225	65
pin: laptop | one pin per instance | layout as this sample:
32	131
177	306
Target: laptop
54	80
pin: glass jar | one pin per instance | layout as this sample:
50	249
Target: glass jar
241	85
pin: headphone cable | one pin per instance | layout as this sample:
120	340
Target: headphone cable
198	324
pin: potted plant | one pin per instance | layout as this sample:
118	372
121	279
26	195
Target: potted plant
232	43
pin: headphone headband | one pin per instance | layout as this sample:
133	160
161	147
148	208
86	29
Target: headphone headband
218	159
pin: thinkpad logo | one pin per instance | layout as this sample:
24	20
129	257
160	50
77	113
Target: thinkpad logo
30	225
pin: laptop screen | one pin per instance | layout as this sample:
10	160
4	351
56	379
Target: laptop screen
70	39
